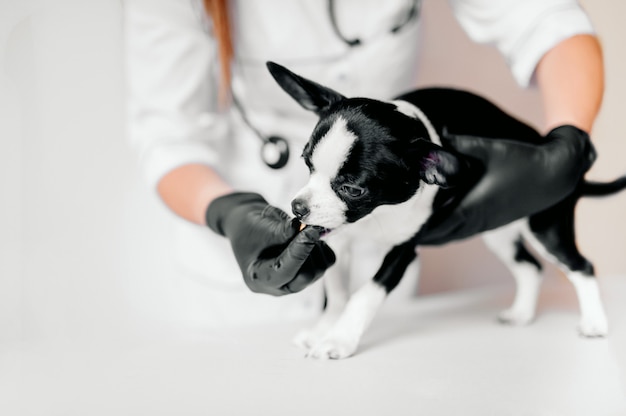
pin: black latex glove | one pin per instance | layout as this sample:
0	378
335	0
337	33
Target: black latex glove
514	180
273	255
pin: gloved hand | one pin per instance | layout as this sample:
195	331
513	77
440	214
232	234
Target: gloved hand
274	256
515	179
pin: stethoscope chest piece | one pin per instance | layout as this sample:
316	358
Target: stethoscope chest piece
275	152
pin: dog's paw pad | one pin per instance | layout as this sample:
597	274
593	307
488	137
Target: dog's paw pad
333	349
593	329
515	318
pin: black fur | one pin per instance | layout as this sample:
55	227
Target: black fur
454	111
554	228
522	255
394	265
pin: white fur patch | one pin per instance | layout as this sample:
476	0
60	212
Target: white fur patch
331	152
361	309
394	224
593	322
343	338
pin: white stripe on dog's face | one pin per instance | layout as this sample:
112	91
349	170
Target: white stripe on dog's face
333	149
330	153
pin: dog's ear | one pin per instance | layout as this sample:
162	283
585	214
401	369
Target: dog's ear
436	165
310	95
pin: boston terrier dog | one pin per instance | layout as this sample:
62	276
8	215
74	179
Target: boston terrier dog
433	166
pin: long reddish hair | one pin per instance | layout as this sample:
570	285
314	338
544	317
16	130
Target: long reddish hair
218	12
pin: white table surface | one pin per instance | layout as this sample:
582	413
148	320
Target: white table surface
440	355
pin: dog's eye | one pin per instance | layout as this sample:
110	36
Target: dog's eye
352	191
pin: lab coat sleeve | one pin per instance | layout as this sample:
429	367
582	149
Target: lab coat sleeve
522	30
171	85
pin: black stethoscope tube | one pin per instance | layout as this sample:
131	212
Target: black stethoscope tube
275	149
412	14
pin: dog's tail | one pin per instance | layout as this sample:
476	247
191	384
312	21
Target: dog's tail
595	189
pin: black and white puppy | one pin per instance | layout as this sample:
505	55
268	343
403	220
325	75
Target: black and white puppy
380	171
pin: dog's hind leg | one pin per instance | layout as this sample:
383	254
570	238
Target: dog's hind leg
343	338
507	244
552	234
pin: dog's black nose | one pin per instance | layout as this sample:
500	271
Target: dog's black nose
299	209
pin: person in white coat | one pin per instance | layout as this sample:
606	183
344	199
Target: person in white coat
202	108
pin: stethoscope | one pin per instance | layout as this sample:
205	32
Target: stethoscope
275	149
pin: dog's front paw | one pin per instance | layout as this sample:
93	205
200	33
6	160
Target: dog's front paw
307	338
515	317
334	348
596	328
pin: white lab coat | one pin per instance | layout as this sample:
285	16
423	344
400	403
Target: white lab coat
174	116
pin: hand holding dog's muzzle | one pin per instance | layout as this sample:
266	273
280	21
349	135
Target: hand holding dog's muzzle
274	256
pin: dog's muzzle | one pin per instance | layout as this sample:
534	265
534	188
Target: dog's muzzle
301	210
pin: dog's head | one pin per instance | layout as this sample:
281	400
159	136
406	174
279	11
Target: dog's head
362	153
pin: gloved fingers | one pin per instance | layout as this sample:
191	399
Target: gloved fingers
278	269
320	259
578	143
297	253
260	278
322	256
279	226
262	232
